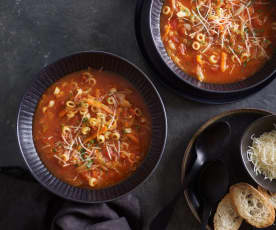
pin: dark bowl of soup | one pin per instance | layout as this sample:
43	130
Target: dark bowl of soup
91	127
216	46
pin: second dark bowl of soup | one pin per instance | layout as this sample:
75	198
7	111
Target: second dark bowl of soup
91	127
216	46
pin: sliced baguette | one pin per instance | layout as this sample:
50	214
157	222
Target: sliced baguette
270	196
273	199
252	205
263	191
226	217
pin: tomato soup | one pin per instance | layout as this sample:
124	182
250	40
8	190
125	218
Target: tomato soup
92	129
219	41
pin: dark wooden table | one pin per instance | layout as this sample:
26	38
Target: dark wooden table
34	33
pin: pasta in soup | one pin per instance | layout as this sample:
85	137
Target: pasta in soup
92	129
219	41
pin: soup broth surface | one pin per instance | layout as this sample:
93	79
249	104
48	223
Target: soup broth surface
92	129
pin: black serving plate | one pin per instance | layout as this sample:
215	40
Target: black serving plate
239	121
169	78
73	63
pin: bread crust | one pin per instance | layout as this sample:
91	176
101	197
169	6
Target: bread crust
263	191
244	197
226	212
270	196
273	199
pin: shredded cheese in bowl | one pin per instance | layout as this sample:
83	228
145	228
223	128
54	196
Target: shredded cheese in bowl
262	154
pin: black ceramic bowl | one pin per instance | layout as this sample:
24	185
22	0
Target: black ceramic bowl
166	77
257	79
257	128
73	63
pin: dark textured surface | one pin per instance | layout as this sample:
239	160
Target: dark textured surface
46	211
36	32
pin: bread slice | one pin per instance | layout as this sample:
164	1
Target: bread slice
263	191
273	199
270	196
252	205
226	217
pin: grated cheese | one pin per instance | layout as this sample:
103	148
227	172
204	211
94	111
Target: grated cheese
262	154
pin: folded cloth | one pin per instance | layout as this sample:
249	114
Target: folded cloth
26	205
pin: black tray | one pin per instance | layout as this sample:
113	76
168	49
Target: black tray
239	121
167	77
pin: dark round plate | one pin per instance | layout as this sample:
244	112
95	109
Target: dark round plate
239	121
73	63
168	77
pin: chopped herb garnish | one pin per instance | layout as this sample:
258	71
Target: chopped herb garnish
259	30
245	63
92	141
85	120
82	150
70	95
54	150
89	164
82	157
